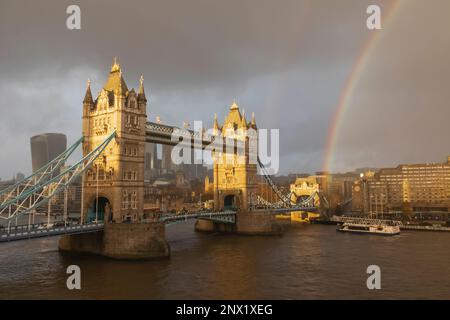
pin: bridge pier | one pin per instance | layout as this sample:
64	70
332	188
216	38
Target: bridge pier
121	241
248	223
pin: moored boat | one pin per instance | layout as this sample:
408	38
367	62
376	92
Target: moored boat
380	229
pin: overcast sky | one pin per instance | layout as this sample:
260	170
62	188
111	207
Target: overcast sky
288	61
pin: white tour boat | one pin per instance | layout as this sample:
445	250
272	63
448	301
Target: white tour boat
381	229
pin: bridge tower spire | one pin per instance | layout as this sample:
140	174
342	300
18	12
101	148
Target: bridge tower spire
141	94
88	102
113	188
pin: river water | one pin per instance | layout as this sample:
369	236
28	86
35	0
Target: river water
307	262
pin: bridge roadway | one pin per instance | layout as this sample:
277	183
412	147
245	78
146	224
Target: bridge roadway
23	232
227	216
162	134
288	209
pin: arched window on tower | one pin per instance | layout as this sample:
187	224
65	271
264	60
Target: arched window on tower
101	174
125	199
134	200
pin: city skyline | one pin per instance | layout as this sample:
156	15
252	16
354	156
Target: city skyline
303	79
159	154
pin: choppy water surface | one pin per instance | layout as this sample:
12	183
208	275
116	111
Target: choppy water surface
307	262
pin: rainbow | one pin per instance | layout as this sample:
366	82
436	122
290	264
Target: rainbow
350	85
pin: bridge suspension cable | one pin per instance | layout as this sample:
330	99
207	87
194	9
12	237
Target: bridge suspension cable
39	177
285	201
274	187
49	183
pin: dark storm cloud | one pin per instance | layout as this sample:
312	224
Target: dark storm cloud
285	60
400	108
182	43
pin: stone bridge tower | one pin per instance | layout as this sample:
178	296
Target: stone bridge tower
235	175
113	188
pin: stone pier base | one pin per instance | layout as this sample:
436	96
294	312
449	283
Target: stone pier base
121	241
257	223
249	223
213	226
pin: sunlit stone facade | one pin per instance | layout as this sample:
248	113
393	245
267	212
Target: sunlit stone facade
114	186
425	187
235	178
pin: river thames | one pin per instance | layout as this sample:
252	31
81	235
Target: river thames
307	262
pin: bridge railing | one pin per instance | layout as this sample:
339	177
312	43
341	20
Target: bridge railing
170	135
21	234
205	215
363	220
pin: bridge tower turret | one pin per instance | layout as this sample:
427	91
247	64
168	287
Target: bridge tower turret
235	182
113	188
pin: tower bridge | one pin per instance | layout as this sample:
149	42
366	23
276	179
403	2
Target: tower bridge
112	222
